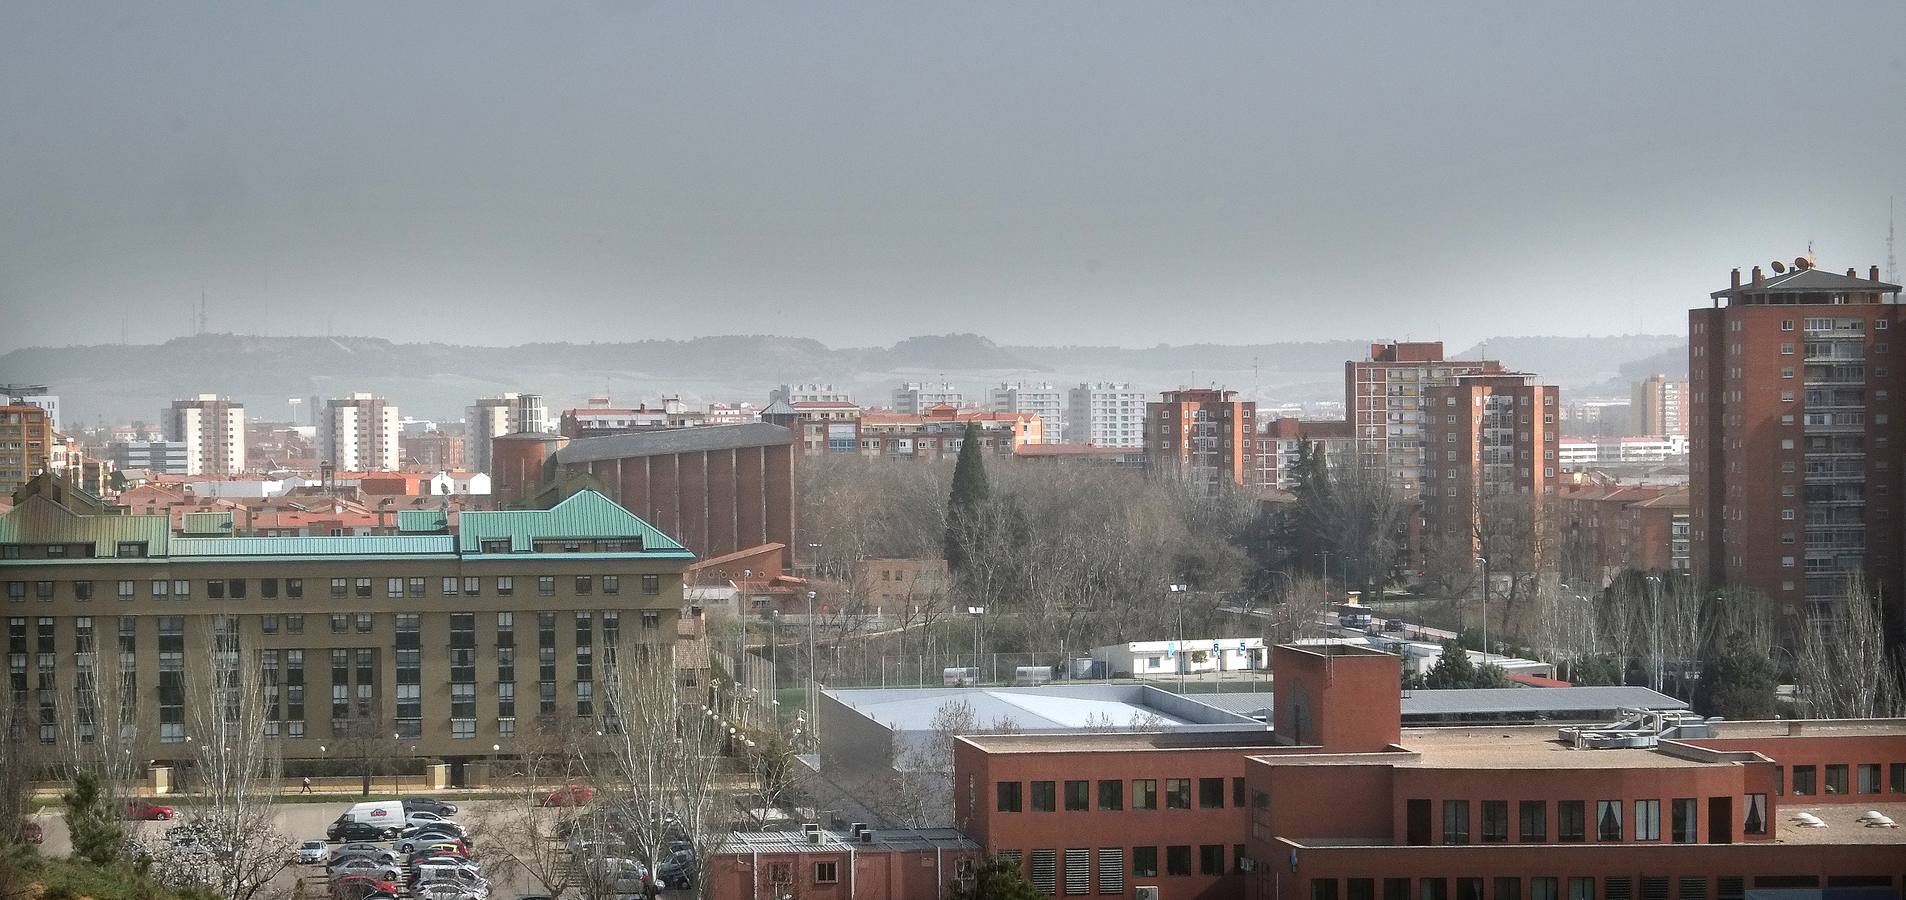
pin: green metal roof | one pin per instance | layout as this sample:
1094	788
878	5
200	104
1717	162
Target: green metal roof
422	520
42	521
366	545
207	523
583	515
586	515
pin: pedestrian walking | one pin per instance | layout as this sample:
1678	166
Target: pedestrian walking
307	785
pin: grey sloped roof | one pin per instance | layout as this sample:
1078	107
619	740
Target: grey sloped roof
1800	281
1534	700
663	441
884	839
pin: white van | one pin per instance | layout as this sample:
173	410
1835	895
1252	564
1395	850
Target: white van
388	813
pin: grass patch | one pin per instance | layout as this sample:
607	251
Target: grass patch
65	879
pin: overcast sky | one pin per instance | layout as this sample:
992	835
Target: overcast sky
1096	173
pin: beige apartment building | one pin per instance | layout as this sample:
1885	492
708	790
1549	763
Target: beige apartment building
454	644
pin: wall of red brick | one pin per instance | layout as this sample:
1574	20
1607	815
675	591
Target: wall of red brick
1340	701
1821	751
862	874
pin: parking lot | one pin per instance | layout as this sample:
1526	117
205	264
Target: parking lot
299	822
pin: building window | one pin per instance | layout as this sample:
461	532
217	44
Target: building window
1836	779
1495	820
1144	793
1111	795
611	584
82	590
1869	778
826	872
1581	888
393	587
505	585
546	585
1685	819
1534	816
1210	793
1144	862
1177	793
340	623
1078	796
1896	778
1803	781
294	588
1544	889
1008	793
1455	821
1647	820
1178	860
1608	820
1211	859
451	586
1044	796
1569	820
472	585
1756	819
651	584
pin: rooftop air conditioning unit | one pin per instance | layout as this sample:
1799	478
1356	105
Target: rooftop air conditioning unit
1145	892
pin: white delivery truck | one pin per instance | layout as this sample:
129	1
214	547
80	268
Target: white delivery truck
386	813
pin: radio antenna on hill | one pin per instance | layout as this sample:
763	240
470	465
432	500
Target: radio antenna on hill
1892	261
201	318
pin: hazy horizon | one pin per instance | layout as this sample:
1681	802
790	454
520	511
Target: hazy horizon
1126	176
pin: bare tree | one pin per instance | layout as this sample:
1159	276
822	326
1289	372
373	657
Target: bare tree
22	757
663	757
102	735
239	849
523	834
1842	668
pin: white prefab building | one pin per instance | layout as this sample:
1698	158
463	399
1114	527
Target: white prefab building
212	428
1105	415
359	434
460	483
1141	659
1042	400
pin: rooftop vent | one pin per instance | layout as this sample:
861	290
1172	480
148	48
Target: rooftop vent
1637	729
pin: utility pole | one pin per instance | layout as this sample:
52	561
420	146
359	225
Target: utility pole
1484	562
1183	658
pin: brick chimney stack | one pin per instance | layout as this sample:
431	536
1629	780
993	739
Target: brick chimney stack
1737	277
1757	275
1875	276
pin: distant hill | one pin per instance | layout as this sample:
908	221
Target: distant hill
118	382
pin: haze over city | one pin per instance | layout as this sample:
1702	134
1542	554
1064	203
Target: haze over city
1038	173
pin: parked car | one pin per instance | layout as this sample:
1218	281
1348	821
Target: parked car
355	830
427	804
569	795
361	887
342	849
441	826
148	812
424	817
363	865
677	871
446	890
311	853
435	847
1393	625
378	855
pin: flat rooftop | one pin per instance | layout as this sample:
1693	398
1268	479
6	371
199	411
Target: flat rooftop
1524	747
1098	742
1843	825
1048	708
1528	702
896	839
1810	728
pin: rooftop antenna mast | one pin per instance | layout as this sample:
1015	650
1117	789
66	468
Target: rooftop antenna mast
1892	261
201	311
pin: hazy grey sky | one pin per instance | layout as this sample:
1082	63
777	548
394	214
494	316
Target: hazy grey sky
1036	172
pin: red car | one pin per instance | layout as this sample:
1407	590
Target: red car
569	795
140	809
350	887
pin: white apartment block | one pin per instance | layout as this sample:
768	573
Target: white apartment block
809	393
212	428
915	397
1105	415
359	434
1043	400
494	417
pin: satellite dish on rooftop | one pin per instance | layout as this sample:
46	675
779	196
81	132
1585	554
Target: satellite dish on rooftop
1779	267
1801	262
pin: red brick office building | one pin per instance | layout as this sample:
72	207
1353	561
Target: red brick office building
1207	436
1341	805
1796	413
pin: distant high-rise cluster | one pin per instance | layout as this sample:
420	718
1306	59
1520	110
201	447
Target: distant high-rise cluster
359	433
492	417
212	430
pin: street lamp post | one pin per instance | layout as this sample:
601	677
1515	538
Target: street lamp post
1484	562
1654	637
1183	658
813	687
